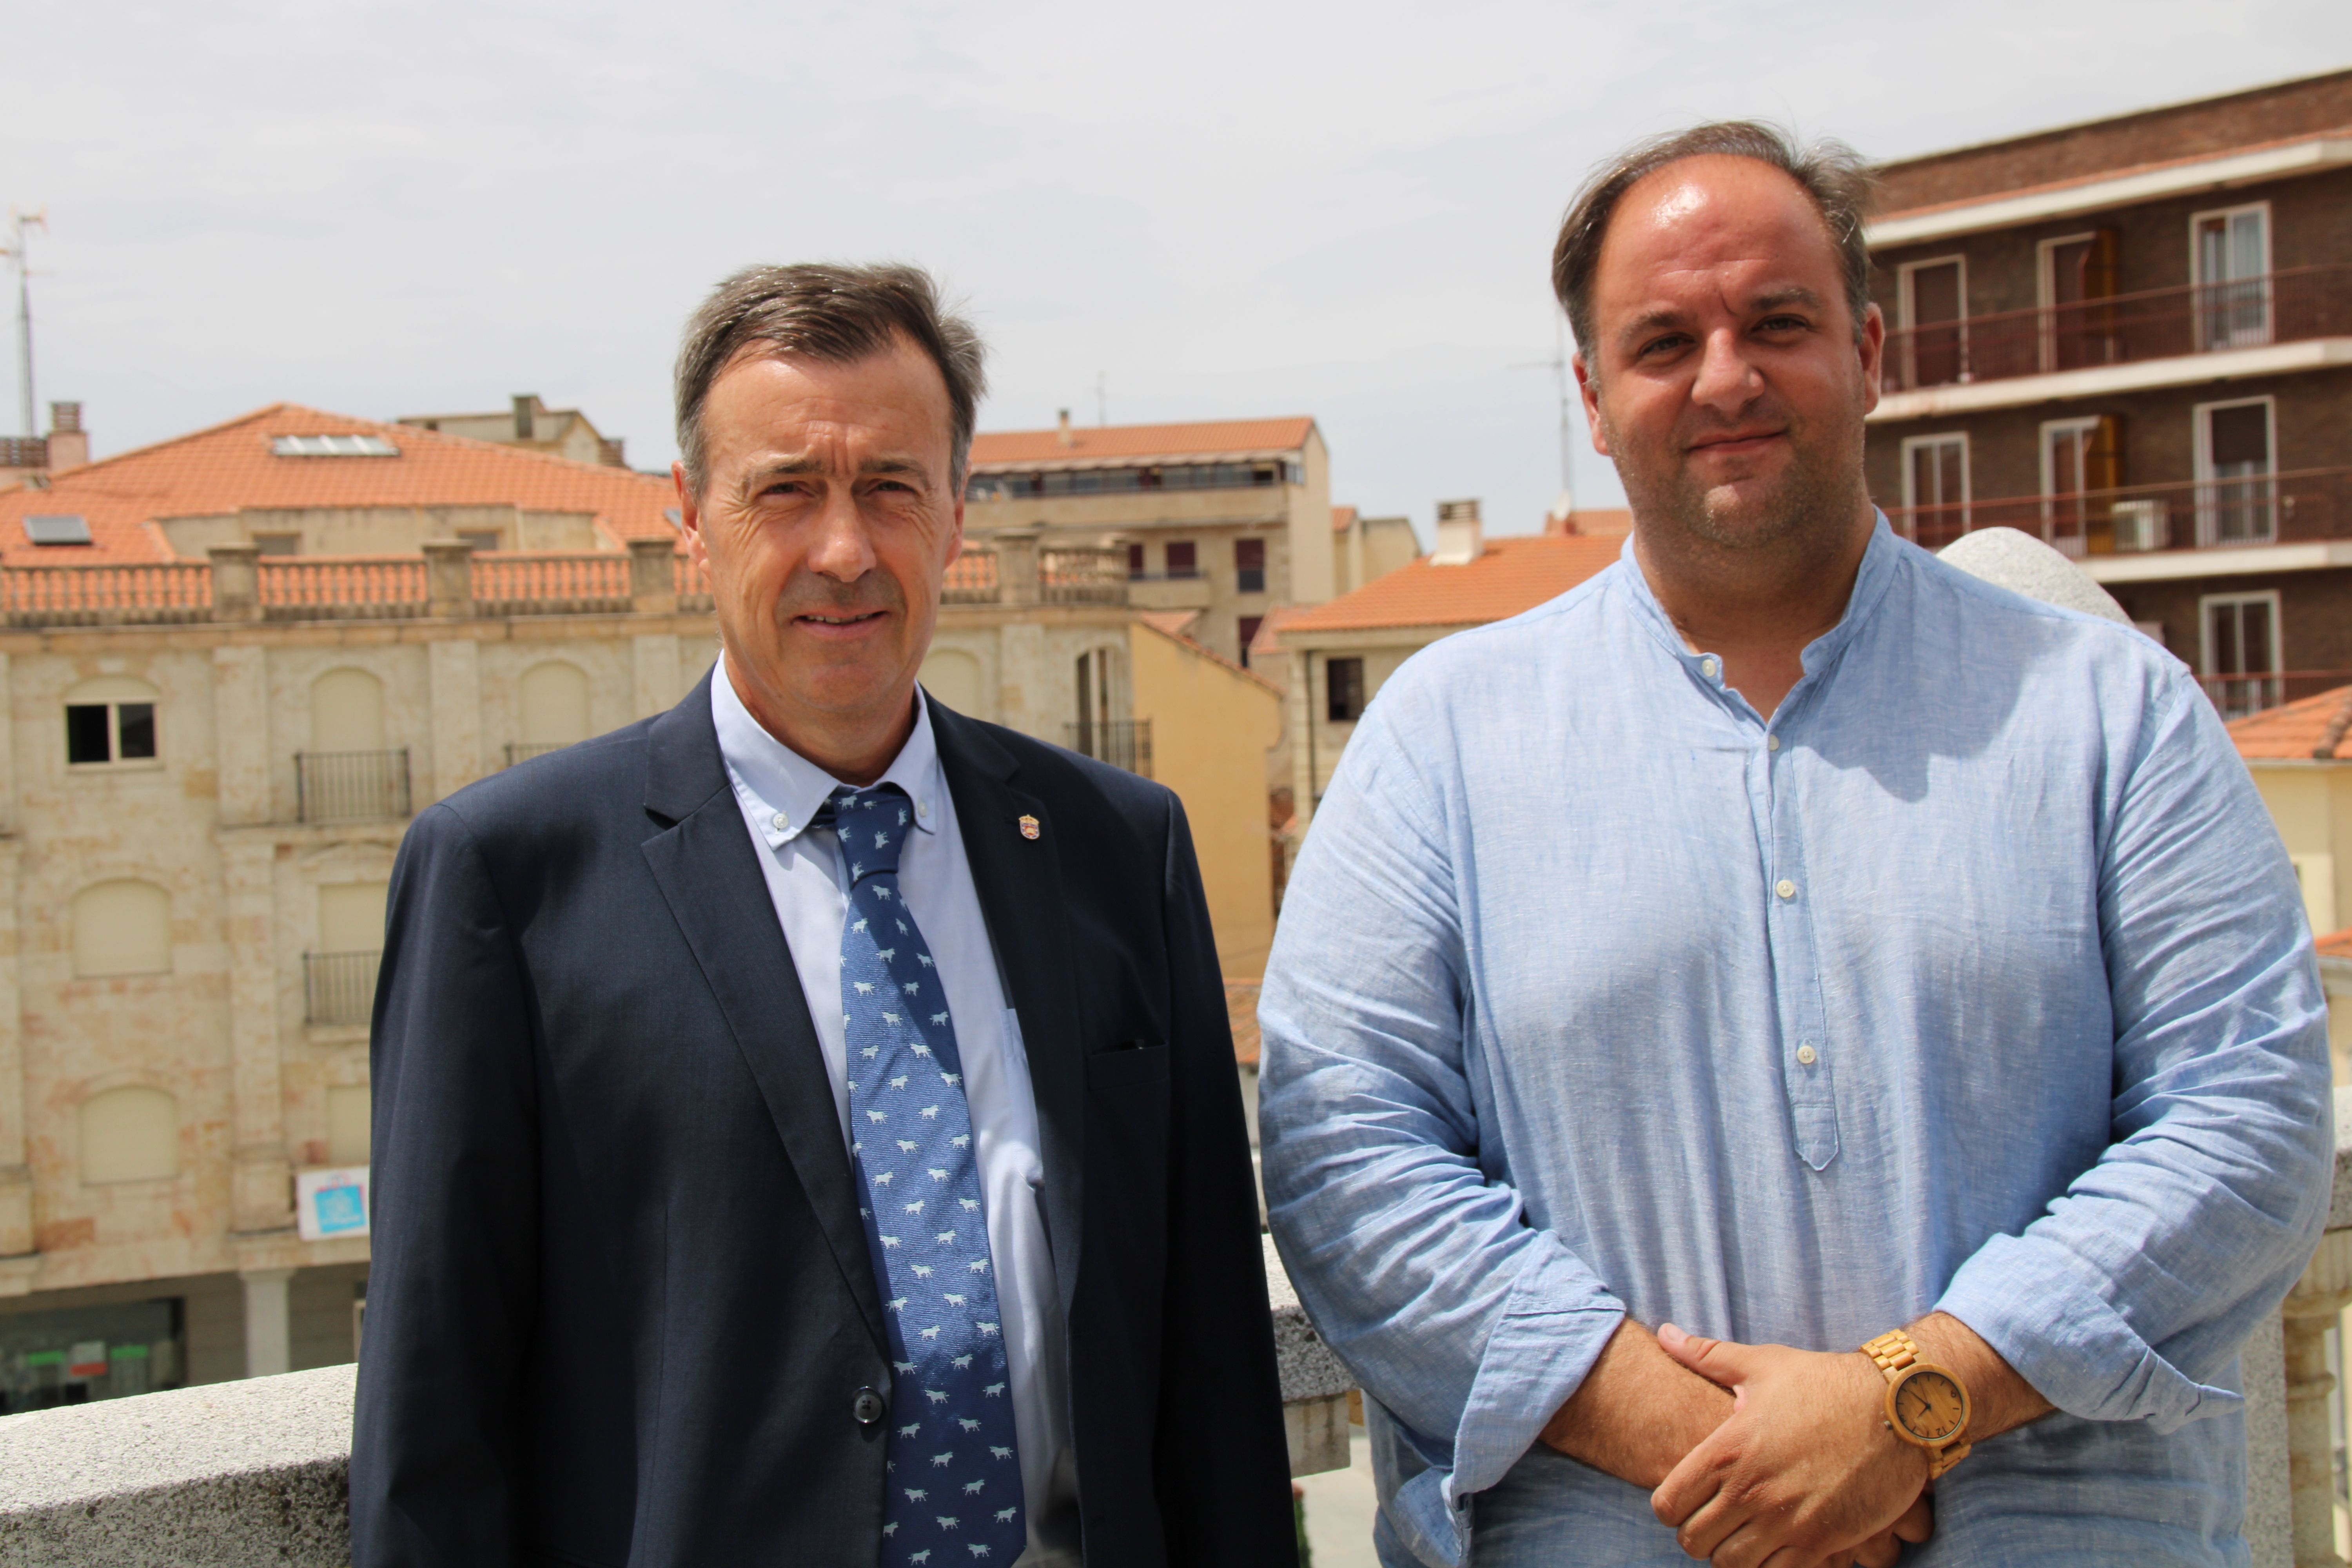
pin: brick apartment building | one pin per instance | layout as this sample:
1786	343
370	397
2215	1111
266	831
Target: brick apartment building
2133	338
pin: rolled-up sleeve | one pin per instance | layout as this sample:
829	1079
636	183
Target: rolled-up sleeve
1468	1324
2129	1296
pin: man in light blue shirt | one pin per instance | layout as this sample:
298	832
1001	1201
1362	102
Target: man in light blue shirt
1786	938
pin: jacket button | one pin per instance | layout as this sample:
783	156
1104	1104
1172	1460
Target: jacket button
868	1408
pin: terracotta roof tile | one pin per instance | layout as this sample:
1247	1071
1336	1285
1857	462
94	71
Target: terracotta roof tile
1512	576
2292	729
227	466
1343	518
1269	628
2336	944
995	448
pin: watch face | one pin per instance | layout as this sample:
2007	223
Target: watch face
1930	1407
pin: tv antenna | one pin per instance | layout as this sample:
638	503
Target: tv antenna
18	222
1559	365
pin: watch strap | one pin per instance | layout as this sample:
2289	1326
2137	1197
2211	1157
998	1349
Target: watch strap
1895	1353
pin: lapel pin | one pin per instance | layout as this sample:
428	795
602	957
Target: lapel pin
1028	827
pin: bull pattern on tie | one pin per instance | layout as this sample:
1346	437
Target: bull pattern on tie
953	1470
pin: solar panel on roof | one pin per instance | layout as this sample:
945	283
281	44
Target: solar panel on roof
65	529
332	447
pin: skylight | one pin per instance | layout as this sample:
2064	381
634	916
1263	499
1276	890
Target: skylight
57	530
332	447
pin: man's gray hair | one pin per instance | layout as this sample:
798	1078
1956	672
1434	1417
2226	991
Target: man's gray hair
1831	173
836	314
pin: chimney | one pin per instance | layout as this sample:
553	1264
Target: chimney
69	442
1068	439
1460	540
526	405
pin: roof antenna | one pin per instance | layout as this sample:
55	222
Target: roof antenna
18	222
1559	365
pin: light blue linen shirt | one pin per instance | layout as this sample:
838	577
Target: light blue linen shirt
1977	979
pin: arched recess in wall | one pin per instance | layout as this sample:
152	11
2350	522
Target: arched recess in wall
347	712
130	1134
554	704
953	677
121	927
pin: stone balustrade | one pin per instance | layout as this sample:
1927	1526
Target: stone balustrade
236	1474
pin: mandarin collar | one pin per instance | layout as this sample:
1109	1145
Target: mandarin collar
1870	584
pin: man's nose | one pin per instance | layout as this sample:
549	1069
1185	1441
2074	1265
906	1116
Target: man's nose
842	550
1726	380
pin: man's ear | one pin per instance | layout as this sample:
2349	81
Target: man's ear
1872	348
1588	389
689	518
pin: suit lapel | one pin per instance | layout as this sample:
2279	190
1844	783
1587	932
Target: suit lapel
706	869
1021	898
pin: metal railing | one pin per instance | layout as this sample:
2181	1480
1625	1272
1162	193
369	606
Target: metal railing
158	591
1121	743
351	786
550	584
2239	695
1083	576
355	587
2296	506
338	987
2291	306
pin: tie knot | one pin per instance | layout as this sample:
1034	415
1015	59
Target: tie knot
872	825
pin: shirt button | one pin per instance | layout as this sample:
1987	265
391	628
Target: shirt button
779	821
1706	668
1807	1054
1771	742
1785	887
868	1408
922	808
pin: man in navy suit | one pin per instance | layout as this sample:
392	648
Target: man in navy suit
805	1124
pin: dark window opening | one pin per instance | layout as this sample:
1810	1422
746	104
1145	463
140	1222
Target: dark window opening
1249	566
1343	682
1135	561
1183	559
87	737
136	726
110	731
1250	625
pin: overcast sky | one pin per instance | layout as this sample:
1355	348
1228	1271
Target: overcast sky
1213	211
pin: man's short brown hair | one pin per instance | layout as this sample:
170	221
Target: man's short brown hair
836	314
1831	173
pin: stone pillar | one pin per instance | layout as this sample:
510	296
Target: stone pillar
1017	572
448	578
15	1171
655	662
241	734
237	582
454	666
653	577
263	1195
269	1321
2312	1308
1026	685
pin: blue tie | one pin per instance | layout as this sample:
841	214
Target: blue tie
954	1475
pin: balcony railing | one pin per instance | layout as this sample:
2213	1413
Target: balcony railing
338	987
1083	576
92	596
2297	507
1121	743
2123	328
971	578
362	588
2239	695
550	584
351	786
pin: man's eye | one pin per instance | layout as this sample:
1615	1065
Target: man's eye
1663	346
1783	324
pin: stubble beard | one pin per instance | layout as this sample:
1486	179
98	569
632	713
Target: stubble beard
1814	498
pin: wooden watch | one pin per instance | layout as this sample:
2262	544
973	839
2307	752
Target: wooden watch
1925	1405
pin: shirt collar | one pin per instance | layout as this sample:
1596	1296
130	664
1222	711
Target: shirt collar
784	789
1878	559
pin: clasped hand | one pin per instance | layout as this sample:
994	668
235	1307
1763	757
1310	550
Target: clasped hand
1802	1473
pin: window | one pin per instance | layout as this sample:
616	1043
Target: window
277	543
1249	568
2236	500
2231	262
1343	687
1183	559
2078	272
1933	298
1936	488
2082	460
1249	626
56	530
110	720
121	927
1134	561
479	539
2240	651
332	447
130	1134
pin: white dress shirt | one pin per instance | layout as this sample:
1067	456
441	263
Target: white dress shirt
779	790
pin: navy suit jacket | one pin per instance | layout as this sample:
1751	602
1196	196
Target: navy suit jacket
620	1309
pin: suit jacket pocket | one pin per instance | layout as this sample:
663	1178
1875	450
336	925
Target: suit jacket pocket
1144	1061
